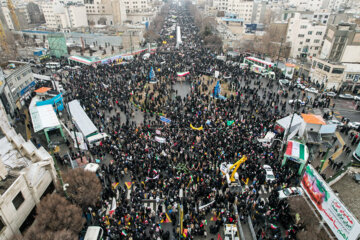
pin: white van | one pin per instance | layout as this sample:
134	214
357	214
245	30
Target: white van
94	233
96	139
52	65
92	167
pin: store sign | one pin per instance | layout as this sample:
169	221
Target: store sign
339	219
27	88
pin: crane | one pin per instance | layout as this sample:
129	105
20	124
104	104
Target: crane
13	15
3	42
230	171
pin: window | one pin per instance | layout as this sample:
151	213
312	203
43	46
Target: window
301	43
316	48
18	200
318	33
320	65
316	40
349	76
326	16
299	49
2	225
315	16
314	55
337	70
314	64
301	35
303	26
326	68
308	40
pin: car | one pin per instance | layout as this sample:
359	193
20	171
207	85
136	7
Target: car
290	192
301	86
296	101
354	125
284	82
357	98
335	122
312	90
346	96
269	173
330	94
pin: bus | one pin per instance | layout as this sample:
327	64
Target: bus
52	65
260	66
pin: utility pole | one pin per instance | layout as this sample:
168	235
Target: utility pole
277	62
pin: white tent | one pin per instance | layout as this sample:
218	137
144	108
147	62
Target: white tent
43	117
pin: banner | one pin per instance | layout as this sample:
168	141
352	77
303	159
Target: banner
206	205
198	129
182	74
339	219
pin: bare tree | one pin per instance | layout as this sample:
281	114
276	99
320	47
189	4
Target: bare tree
56	218
84	187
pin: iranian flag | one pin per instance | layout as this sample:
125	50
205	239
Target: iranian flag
296	149
181	74
123	233
113	207
273	226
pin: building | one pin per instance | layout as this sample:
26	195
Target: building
7	16
313	5
328	74
342	43
305	36
59	16
351	78
27	174
109	12
18	81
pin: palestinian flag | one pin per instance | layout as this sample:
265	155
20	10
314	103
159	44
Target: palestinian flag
182	74
273	226
123	233
296	150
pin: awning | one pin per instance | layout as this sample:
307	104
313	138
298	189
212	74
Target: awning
285	122
43	117
313	119
42	90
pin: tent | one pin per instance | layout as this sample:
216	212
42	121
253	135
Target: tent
284	123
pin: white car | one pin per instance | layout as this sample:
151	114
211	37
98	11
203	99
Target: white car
296	101
335	122
301	86
284	82
331	94
312	90
290	192
269	173
354	125
357	98
346	96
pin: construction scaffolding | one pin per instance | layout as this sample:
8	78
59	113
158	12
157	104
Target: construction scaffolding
57	45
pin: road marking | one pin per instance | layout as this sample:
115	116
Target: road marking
263	189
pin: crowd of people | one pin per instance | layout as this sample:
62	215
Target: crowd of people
161	159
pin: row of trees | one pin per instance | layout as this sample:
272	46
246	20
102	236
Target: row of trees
61	218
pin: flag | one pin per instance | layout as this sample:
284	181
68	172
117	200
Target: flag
229	123
128	184
273	226
182	74
185	233
123	233
113	207
297	150
151	74
199	128
160	139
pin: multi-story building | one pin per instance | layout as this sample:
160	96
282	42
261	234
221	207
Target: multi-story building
59	15
17	83
6	13
109	12
342	43
330	74
305	36
313	5
27	174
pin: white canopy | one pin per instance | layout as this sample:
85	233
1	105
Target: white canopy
285	122
43	117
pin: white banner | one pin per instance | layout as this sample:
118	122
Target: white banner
339	219
160	139
204	206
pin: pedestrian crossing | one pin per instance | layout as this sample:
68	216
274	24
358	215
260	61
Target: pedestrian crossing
264	190
154	206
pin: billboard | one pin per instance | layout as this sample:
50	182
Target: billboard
339	219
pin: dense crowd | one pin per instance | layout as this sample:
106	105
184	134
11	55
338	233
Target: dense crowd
185	158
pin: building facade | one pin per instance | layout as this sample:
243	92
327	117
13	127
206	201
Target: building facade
27	174
305	36
329	74
18	81
342	43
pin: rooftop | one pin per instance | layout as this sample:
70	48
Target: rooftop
13	66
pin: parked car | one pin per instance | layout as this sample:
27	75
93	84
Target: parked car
336	122
357	98
312	90
269	173
290	192
284	82
346	96
330	94
292	101
354	125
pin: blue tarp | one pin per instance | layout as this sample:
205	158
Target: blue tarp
56	101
